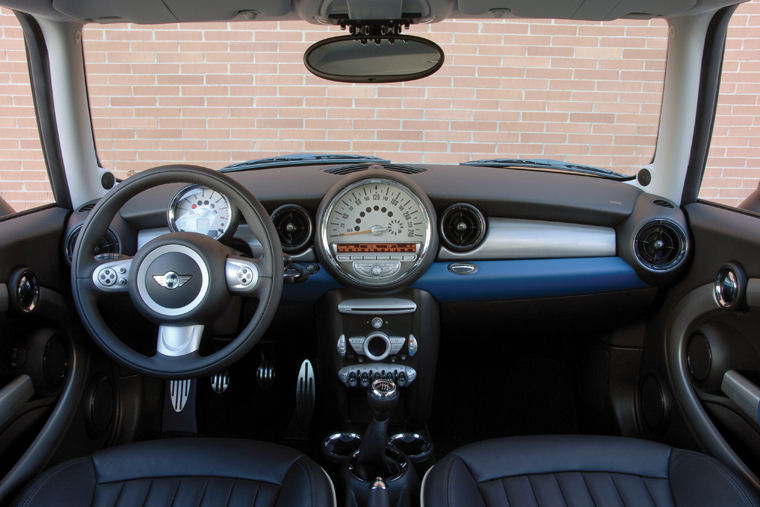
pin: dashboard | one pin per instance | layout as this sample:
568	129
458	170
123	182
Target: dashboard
463	234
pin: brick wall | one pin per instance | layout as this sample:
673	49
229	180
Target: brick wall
218	93
23	178
733	166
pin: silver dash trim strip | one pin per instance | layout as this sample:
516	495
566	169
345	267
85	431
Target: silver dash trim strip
535	239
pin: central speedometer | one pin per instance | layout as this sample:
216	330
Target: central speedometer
375	231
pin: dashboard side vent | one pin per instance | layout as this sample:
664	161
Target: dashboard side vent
463	227
293	225
109	244
348	169
88	206
663	203
660	245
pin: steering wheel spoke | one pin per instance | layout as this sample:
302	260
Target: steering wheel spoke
112	276
242	276
174	341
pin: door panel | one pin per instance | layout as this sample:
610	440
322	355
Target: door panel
693	342
43	345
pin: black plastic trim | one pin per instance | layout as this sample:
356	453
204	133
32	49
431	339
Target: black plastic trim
707	102
41	451
42	95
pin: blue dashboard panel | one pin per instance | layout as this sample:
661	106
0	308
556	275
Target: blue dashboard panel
501	280
310	290
536	278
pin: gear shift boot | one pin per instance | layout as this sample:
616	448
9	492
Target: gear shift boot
372	461
375	461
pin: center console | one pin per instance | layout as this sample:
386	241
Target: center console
364	338
366	341
376	235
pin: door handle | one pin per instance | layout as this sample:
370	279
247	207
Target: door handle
14	395
743	392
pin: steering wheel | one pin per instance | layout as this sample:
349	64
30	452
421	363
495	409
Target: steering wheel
181	281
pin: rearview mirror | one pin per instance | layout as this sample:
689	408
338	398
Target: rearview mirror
383	59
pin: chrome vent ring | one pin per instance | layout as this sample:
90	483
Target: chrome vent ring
660	245
294	227
463	227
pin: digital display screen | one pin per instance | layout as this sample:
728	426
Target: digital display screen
377	247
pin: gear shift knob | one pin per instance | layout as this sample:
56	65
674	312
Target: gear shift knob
382	397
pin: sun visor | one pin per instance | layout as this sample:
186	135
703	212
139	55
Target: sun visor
596	10
172	11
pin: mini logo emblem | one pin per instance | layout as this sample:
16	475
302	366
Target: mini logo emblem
171	280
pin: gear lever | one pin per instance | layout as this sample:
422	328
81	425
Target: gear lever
382	397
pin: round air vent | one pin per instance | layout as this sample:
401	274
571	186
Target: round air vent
463	227
293	225
108	244
660	245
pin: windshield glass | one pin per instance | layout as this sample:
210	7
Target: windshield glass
216	94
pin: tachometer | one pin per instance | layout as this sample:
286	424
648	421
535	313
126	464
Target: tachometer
200	209
376	231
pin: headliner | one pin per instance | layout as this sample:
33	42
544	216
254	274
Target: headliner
319	11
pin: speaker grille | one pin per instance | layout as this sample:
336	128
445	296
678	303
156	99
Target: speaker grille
293	225
463	227
660	245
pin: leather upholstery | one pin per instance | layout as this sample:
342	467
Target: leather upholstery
581	471
185	472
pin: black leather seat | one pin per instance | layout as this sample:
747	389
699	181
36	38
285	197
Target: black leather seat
580	471
185	472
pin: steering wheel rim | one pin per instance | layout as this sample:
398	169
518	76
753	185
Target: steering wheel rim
268	284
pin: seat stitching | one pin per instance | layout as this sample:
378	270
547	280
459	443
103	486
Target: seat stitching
646	488
51	473
253	502
670	486
580	471
118	497
533	490
559	486
229	494
203	494
506	492
147	493
176	490
614	485
590	493
449	482
308	479
189	476
469	471
730	478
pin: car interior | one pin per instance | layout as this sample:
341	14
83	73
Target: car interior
358	330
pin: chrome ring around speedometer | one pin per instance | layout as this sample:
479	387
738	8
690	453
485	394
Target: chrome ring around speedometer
376	231
196	208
